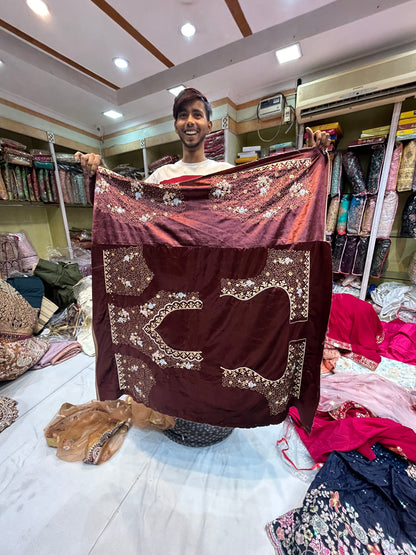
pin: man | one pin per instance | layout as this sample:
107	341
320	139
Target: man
192	120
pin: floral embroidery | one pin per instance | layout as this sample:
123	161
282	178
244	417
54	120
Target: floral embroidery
126	324
271	189
326	525
288	270
126	271
276	392
134	377
222	188
171	199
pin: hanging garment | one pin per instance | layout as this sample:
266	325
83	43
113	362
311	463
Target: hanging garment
211	298
353	506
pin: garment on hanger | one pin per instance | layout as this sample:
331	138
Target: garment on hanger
211	297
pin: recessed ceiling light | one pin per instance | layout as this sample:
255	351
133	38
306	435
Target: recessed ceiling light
121	63
188	30
288	54
113	114
38	6
176	90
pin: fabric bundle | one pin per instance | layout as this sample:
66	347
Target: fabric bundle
94	431
214	145
353	506
211	298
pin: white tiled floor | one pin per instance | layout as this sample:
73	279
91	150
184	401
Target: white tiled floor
153	497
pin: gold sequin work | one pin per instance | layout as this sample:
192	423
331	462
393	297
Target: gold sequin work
126	271
288	270
276	392
134	377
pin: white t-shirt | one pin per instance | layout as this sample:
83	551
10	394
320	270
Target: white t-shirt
170	171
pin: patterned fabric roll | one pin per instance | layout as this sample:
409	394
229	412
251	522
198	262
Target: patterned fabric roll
348	256
388	213
343	214
394	167
353	169
368	216
408	228
407	167
332	215
381	251
360	256
338	247
375	167
336	174
355	214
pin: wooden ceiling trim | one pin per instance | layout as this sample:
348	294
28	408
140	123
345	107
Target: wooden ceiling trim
17	32
124	24
239	17
47	118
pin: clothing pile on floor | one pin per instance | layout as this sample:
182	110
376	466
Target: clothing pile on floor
360	455
45	309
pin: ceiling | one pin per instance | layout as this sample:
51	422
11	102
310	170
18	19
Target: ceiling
61	66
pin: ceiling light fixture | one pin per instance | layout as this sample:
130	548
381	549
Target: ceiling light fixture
176	90
112	114
288	54
39	7
188	30
121	63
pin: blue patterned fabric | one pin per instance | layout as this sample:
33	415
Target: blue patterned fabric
354	506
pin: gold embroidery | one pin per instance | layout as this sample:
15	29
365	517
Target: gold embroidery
126	271
276	392
134	377
289	270
126	324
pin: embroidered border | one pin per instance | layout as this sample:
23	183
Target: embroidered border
288	270
276	392
126	271
134	377
126	324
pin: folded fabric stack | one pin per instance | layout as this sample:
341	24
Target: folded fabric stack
169	159
214	146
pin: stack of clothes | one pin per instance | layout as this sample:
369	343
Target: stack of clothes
361	452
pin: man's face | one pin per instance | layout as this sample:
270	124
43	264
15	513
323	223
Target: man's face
192	125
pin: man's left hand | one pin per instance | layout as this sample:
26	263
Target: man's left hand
321	139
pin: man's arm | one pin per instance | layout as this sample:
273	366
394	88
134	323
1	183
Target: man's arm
90	162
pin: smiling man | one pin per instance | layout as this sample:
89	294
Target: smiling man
192	114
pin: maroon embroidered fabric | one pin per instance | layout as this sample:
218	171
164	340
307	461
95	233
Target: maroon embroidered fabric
211	297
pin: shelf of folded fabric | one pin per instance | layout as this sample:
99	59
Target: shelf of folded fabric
365	140
29	199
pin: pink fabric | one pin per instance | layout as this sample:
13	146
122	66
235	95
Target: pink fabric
354	327
399	341
58	352
377	394
361	434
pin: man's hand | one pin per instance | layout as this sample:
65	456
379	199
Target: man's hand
89	162
321	139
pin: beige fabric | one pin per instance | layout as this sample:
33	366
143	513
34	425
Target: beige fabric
94	431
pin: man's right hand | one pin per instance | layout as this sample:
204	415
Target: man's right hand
89	162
